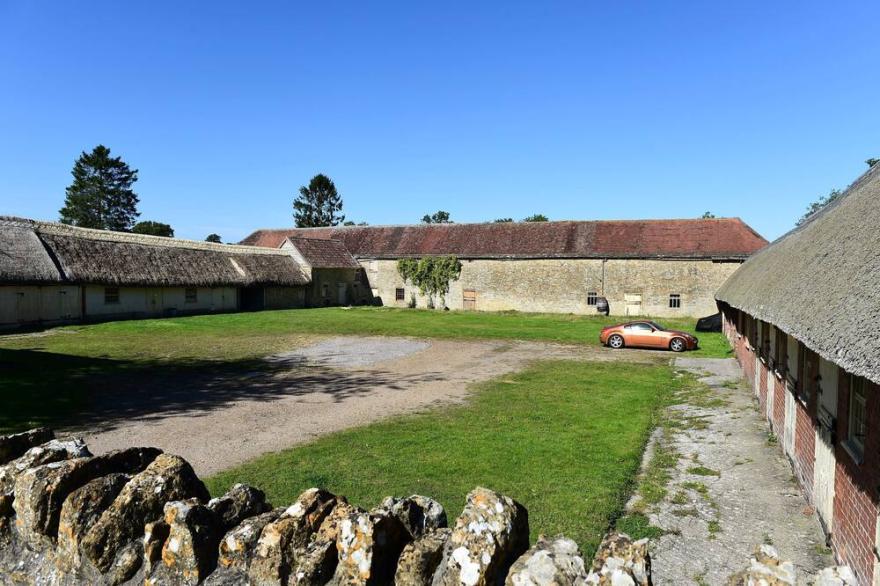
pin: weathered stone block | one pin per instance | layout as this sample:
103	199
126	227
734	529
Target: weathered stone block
189	554
81	509
491	533
621	561
141	501
155	536
551	562
281	540
15	445
52	451
237	546
419	514
420	559
368	547
40	491
835	576
239	502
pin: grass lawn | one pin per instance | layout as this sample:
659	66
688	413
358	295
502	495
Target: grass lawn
564	438
45	378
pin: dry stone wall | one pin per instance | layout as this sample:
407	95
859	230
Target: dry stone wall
140	516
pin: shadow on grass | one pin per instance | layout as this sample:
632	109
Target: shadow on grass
45	388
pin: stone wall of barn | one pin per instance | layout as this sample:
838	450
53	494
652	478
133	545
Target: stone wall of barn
852	523
327	288
562	285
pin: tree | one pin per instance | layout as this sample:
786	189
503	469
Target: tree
350	223
431	274
872	161
319	204
153	228
536	218
440	217
101	195
707	215
819	204
502	220
215	238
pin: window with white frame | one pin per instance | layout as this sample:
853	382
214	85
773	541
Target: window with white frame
674	301
592	297
855	436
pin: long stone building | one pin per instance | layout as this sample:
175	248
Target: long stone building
52	273
643	267
804	318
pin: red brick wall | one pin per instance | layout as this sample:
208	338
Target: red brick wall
805	446
855	487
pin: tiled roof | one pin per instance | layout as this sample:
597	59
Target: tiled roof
727	238
323	253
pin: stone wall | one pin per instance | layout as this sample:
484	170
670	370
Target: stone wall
139	516
561	285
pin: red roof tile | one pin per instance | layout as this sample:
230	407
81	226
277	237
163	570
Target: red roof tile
322	253
699	238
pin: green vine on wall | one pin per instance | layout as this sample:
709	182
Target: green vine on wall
431	274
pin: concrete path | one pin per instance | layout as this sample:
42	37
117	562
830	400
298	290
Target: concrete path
754	499
228	415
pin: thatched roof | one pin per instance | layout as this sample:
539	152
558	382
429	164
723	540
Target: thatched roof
821	281
721	238
23	258
322	253
116	258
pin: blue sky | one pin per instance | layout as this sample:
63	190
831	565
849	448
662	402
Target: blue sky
578	110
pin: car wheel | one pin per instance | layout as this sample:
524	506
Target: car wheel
677	345
616	341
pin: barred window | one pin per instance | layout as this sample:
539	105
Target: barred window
675	301
191	295
857	416
111	295
399	294
592	297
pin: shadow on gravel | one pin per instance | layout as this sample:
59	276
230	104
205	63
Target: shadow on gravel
43	388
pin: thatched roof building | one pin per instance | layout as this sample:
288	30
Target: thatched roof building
716	238
821	282
32	251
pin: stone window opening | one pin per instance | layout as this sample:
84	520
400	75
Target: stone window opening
674	301
111	295
855	434
592	297
191	295
399	294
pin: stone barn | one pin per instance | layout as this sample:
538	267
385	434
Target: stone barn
52	273
336	277
643	267
804	318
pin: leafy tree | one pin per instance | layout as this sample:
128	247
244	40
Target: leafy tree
319	204
707	215
536	218
350	223
440	217
431	274
872	161
101	195
215	238
819	204
502	220
153	228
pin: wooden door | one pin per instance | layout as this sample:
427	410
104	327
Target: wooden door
824	465
633	303
469	299
341	294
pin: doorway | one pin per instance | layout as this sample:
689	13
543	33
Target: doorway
633	303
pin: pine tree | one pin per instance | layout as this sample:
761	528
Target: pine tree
319	204
101	195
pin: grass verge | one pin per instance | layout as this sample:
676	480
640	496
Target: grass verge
564	438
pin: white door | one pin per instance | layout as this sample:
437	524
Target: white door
633	303
823	468
757	386
790	418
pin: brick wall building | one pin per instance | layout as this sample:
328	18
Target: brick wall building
803	316
643	267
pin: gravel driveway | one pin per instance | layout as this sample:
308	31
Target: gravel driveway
220	418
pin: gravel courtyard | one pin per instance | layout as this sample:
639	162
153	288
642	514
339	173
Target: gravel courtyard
225	417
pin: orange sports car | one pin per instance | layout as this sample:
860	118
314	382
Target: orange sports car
647	334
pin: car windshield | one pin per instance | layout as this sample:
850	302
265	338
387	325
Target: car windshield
657	326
